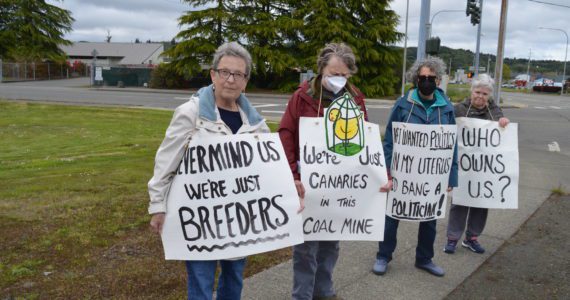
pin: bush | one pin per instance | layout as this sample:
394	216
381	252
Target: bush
164	77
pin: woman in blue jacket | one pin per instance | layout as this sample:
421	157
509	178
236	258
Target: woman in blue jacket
425	103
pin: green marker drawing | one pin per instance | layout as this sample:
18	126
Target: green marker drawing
344	126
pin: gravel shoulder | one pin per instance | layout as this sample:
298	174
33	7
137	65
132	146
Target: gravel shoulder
533	264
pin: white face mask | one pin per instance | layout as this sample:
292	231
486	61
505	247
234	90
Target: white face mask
335	83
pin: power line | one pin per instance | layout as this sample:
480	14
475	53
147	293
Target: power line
554	4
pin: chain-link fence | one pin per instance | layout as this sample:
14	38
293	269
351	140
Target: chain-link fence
17	71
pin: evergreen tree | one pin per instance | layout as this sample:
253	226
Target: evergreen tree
33	30
7	8
204	31
270	32
368	26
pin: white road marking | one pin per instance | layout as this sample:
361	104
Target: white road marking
265	105
540	107
378	106
273	112
555	107
553	147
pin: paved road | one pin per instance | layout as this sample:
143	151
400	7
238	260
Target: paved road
543	120
540	171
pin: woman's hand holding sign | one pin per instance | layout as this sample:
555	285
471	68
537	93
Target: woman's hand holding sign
156	222
301	192
387	187
503	122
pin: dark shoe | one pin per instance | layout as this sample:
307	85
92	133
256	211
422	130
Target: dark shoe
450	246
431	268
335	297
380	266
473	245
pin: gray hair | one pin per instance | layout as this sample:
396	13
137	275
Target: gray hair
435	64
483	81
340	50
232	49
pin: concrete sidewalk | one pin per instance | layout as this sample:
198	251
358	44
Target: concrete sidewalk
353	276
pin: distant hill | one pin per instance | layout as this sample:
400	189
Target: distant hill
462	59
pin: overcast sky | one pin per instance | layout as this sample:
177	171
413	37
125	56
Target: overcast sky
157	20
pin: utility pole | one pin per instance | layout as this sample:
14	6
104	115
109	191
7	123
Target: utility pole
424	19
405	51
94	53
528	69
489	64
500	50
478	38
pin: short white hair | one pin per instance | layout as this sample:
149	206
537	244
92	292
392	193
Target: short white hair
232	49
483	81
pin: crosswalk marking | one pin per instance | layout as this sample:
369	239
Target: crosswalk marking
379	106
273	112
551	107
265	105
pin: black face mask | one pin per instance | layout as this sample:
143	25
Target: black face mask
426	85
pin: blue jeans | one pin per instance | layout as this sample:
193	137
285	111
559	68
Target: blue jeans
313	266
424	249
201	275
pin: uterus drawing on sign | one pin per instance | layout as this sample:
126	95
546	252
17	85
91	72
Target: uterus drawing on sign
344	126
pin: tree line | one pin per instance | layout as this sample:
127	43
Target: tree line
284	38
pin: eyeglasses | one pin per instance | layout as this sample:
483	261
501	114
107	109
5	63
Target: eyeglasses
427	78
225	74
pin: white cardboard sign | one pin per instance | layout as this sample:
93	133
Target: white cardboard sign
342	171
422	158
232	196
488	164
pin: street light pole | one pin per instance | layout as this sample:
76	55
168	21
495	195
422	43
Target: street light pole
500	50
437	13
405	50
565	56
424	17
478	39
528	69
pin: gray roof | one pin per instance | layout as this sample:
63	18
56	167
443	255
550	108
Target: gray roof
131	53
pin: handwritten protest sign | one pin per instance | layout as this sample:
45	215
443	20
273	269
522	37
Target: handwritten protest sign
422	157
488	164
342	174
225	201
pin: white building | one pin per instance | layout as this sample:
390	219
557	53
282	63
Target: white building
115	54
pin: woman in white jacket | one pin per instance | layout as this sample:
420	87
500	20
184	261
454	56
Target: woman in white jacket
218	109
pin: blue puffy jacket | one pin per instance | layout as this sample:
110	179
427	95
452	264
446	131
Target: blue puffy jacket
441	112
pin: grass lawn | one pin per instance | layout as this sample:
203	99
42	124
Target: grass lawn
73	205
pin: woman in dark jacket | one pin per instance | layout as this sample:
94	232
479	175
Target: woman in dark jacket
314	261
479	106
423	104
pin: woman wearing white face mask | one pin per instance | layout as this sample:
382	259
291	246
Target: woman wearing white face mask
314	261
